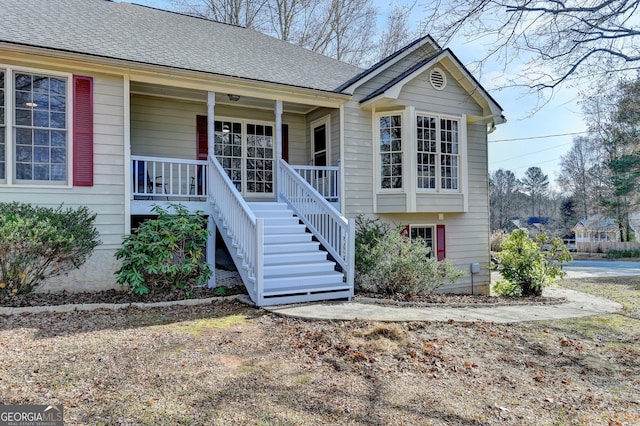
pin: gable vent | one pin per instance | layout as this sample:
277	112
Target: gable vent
437	79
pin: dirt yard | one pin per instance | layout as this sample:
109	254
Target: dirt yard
227	364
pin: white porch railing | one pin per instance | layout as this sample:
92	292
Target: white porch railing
325	180
245	232
169	178
335	232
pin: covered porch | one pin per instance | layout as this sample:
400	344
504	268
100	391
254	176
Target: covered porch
229	157
173	131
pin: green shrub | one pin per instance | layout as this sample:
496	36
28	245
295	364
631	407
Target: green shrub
166	253
399	265
506	288
369	232
39	242
625	253
530	265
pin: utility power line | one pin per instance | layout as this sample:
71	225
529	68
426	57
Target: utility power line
530	153
538	137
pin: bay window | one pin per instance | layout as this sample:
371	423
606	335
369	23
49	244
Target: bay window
390	151
438	152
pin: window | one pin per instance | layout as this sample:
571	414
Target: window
437	153
259	158
391	152
250	168
40	127
433	236
426	233
2	128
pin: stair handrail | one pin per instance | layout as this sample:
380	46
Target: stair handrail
335	232
243	227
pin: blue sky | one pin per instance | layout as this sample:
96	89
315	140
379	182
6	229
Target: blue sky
514	145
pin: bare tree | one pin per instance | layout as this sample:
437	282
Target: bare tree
583	175
562	42
341	29
344	30
246	13
395	33
504	198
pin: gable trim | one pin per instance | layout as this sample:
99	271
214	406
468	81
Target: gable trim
392	89
376	69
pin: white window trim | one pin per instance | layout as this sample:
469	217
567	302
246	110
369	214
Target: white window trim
326	120
9	128
434	229
377	167
462	154
244	122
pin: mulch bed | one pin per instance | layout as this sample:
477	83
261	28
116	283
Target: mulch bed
123	297
114	296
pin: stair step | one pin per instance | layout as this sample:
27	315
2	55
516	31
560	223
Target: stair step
294	282
286	238
281	221
284	229
291	248
314	255
311	296
278	291
269	205
298	268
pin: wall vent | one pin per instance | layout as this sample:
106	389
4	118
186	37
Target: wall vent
437	78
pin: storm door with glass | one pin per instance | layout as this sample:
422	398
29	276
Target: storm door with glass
245	151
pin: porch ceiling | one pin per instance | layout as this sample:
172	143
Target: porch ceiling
149	89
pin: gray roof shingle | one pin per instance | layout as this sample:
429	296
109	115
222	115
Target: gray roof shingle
152	36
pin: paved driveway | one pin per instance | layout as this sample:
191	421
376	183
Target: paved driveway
601	268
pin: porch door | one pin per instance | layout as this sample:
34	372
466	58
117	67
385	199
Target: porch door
245	150
319	133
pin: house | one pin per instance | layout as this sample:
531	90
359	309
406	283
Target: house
119	107
596	229
603	229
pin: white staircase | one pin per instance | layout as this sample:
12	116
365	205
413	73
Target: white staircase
276	247
295	268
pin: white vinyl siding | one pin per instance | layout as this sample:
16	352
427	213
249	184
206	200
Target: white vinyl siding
466	222
106	197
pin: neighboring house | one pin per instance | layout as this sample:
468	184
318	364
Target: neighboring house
602	229
118	107
597	229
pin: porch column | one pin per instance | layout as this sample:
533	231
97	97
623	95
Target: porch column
211	225
278	113
211	103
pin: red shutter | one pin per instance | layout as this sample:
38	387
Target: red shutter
440	242
82	131
404	231
202	139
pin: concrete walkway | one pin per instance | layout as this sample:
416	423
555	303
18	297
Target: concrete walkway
577	305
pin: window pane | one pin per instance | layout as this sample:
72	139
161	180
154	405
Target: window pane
41	105
391	151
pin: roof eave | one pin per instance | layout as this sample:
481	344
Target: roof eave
352	84
332	98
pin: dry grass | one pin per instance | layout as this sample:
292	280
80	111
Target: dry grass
227	364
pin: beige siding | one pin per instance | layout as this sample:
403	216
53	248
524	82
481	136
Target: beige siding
106	197
164	127
467	234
